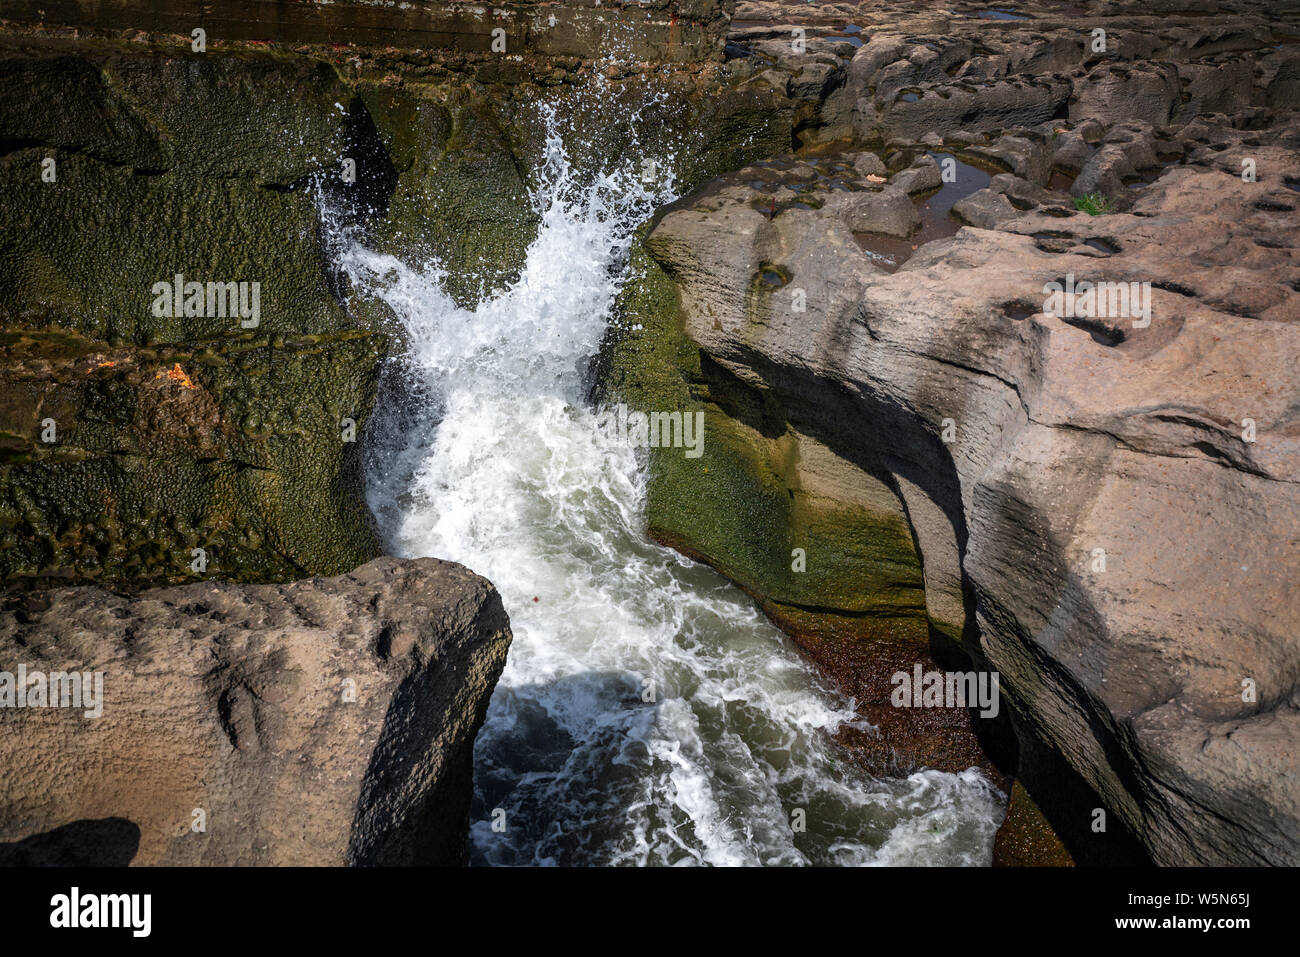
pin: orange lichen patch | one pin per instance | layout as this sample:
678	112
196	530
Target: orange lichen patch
177	374
107	365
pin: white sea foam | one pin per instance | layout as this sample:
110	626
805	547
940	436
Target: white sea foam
503	467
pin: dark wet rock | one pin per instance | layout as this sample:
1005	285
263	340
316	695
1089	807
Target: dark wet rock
984	209
325	722
921	177
235	457
1070	151
868	164
1027	154
814	80
1022	194
1025	838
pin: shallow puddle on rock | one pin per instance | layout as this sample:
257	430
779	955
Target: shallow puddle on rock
1102	245
1145	177
845	38
1061	180
935	209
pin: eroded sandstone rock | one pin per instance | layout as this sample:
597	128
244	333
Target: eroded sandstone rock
910	70
327	721
1101	524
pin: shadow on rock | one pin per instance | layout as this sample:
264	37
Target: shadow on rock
108	842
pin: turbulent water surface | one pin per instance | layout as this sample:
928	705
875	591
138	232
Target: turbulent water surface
648	713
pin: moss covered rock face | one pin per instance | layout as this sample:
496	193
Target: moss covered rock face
461	198
165	211
134	168
183	389
234	457
464	157
822	542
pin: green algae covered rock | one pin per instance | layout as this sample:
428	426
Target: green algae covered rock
136	168
167	209
465	159
460	199
821	543
151	433
234	457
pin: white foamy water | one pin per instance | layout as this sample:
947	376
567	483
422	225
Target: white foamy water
648	713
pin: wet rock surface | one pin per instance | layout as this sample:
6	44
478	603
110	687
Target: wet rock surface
233	456
325	722
134	161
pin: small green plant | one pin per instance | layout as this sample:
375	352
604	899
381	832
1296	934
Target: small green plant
1094	204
